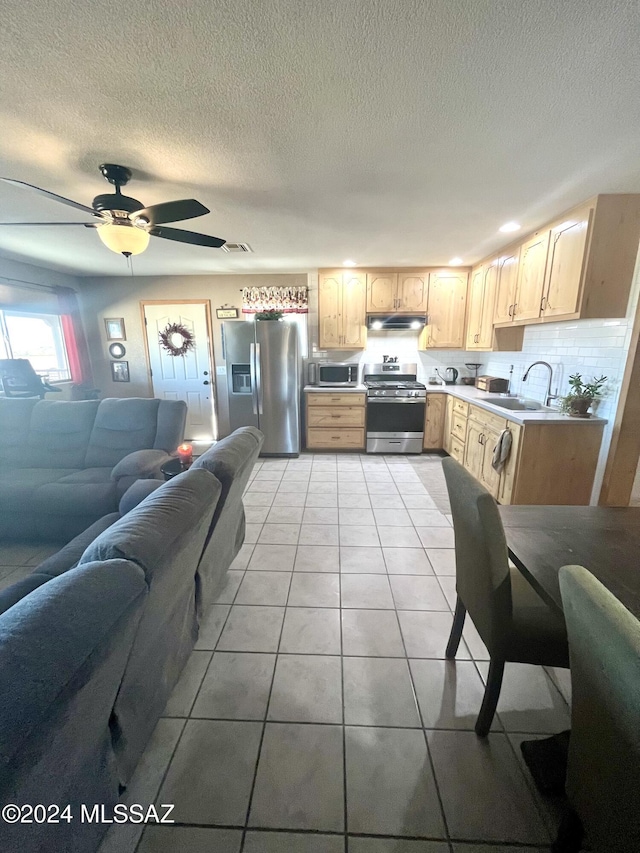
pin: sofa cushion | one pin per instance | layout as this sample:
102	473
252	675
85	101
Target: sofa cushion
63	651
172	418
19	485
165	536
57	617
59	433
148	533
14	593
77	499
121	426
231	461
15	417
69	556
88	475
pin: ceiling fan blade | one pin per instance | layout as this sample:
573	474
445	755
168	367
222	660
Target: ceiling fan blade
86	224
187	237
172	211
53	196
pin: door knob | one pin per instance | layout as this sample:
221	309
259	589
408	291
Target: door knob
206	382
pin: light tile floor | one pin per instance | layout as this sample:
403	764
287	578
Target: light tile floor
317	713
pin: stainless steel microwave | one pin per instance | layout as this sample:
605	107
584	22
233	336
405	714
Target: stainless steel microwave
336	374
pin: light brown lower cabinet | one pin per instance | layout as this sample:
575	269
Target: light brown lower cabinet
549	463
434	419
335	421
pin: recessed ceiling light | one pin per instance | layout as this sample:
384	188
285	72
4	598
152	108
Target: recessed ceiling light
455	262
509	226
349	264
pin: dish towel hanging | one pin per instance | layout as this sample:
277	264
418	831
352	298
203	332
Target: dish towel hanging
502	450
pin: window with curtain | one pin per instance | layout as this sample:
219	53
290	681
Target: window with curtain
38	338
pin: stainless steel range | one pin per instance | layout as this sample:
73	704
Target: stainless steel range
395	408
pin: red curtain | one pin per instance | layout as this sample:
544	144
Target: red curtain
74	338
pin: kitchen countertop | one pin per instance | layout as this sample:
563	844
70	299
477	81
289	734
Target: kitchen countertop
340	389
478	398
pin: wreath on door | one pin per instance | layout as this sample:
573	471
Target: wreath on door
176	339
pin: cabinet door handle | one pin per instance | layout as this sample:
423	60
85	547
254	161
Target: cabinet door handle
543	304
510	310
515	305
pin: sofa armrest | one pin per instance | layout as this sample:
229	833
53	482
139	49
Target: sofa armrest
144	464
136	493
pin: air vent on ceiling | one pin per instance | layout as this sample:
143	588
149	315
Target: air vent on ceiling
237	247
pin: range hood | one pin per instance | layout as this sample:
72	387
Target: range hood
396	322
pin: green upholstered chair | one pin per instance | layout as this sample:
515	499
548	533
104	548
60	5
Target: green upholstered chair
514	622
603	773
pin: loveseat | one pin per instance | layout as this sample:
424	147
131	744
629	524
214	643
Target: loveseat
98	635
65	464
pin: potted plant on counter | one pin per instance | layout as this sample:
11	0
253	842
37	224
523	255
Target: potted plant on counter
581	396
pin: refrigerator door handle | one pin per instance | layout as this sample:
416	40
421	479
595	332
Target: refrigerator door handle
258	380
252	374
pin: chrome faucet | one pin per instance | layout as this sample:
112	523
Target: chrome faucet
549	396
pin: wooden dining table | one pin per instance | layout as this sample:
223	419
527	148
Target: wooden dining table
542	539
605	540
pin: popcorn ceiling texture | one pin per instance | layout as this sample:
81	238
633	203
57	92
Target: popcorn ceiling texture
392	133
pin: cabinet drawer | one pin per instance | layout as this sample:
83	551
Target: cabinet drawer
456	449
323	416
488	419
322	399
339	438
460	406
458	426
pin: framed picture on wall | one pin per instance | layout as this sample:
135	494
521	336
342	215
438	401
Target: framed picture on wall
115	328
120	371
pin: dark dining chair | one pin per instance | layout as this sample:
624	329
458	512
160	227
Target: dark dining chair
603	771
19	379
513	621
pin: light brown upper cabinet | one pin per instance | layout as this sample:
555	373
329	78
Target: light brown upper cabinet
481	301
580	266
342	309
565	264
382	292
389	292
445	310
533	264
474	305
507	282
413	292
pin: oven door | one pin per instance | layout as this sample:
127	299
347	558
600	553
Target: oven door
395	424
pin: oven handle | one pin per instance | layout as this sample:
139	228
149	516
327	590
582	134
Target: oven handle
412	400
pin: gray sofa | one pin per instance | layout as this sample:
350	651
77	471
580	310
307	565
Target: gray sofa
63	653
155	559
63	465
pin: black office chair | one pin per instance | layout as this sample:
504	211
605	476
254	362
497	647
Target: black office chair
19	379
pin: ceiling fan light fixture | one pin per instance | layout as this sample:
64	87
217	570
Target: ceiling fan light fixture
123	239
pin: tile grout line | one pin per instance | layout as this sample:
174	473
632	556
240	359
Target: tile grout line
264	722
424	732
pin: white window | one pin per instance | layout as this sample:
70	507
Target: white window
37	337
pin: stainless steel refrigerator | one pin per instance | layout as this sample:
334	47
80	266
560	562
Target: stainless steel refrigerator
263	381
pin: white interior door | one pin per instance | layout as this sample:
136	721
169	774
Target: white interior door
189	377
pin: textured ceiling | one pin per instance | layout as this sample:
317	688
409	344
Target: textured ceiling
388	132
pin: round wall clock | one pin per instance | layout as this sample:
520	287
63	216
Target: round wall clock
117	351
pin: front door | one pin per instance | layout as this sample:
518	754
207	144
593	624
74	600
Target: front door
187	377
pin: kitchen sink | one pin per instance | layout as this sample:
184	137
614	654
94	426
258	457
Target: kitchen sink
517	405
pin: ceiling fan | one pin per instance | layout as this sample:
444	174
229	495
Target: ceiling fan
124	224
